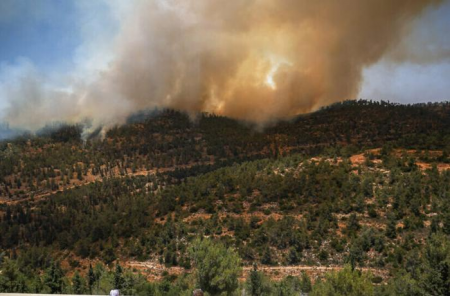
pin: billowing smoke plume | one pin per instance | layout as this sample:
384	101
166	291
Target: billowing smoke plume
258	60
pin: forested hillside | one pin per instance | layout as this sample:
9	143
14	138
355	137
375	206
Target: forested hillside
354	197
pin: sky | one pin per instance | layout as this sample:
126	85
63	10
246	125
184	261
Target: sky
52	39
423	75
57	46
46	34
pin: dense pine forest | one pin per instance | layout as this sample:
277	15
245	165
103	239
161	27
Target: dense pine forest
353	199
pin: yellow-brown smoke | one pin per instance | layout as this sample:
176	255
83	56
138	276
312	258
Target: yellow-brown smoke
258	60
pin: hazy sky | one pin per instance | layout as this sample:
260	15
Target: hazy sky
422	76
54	39
54	43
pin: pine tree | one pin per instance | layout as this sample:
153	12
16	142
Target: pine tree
355	255
306	285
267	257
255	282
118	277
391	228
436	275
77	284
353	225
91	278
293	256
53	278
218	267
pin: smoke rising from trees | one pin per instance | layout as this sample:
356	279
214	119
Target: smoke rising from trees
257	60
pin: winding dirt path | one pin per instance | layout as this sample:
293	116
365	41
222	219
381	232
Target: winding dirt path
153	270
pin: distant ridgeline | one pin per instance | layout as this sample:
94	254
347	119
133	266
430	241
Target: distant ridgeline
361	114
358	192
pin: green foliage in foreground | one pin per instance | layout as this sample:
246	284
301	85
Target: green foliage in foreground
217	270
346	282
